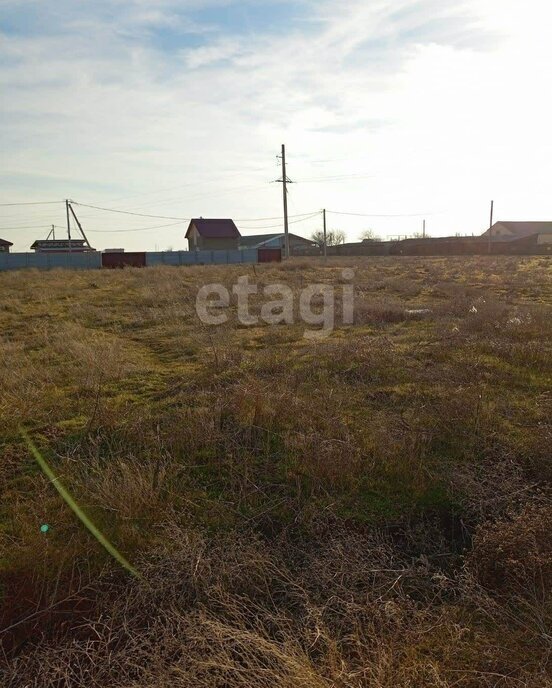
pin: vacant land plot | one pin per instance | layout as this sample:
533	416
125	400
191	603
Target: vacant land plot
367	509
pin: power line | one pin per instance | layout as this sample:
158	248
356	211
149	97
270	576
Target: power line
278	217
336	212
220	178
337	178
203	194
191	198
169	217
128	212
293	222
136	229
5	205
16	211
148	193
10	227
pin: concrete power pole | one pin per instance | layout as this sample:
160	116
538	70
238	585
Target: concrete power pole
424	230
491	227
325	236
68	224
284	185
79	225
68	221
285	181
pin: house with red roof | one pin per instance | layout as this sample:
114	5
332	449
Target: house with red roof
212	234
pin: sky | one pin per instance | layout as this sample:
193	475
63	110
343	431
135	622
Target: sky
390	111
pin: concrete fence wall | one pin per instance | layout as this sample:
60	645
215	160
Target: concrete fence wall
93	260
50	261
202	257
447	246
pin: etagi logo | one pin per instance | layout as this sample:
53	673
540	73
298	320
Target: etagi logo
317	304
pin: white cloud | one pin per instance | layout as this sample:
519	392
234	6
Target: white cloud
436	109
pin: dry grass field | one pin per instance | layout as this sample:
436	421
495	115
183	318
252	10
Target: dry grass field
371	509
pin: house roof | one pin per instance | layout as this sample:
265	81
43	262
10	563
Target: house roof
3	242
58	242
520	230
254	240
214	228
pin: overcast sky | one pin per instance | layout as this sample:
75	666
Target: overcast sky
178	108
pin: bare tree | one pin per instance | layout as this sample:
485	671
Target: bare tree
369	235
333	238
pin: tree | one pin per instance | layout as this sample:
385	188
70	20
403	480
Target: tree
369	235
420	235
333	238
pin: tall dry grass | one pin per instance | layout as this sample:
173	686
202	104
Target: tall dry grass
367	510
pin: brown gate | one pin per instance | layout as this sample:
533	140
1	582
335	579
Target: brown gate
269	255
123	260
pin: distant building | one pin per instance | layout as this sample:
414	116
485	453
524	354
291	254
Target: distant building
540	232
296	243
5	246
61	246
212	234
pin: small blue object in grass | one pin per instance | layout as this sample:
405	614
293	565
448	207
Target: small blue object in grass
44	528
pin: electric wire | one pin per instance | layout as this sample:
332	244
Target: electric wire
278	217
5	205
293	222
336	178
42	226
172	217
135	229
337	212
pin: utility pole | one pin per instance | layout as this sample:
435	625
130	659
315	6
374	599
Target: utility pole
68	224
284	184
285	181
491	227
423	230
79	225
325	237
